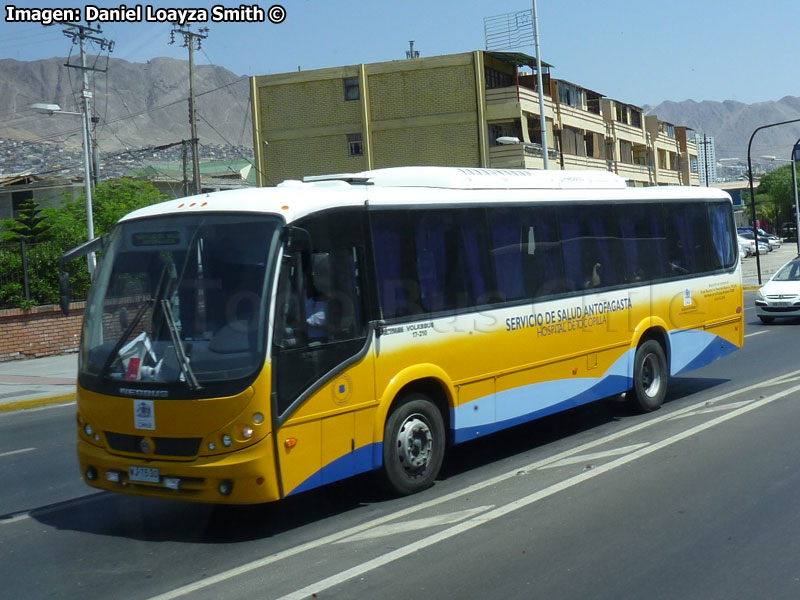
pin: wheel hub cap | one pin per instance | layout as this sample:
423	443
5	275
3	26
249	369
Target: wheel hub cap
651	377
414	443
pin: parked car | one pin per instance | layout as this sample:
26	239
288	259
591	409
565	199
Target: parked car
746	247
780	296
763	245
773	240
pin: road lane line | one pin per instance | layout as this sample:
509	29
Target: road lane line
334	580
416	524
756	333
712	409
14	518
573	460
21	450
313	544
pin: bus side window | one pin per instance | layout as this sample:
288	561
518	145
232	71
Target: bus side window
689	252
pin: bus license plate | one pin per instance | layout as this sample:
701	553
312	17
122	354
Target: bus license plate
144	474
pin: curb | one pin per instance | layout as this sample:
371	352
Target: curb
751	288
37	402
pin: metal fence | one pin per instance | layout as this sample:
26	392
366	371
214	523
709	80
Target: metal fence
29	275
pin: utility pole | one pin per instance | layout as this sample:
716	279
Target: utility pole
190	38
542	118
79	34
185	186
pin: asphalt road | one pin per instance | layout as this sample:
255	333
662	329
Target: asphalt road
697	500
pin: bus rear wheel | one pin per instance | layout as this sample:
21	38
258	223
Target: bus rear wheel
413	445
649	377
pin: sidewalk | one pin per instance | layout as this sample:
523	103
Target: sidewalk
52	380
37	381
770	263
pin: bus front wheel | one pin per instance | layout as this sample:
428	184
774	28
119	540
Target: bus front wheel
413	445
649	377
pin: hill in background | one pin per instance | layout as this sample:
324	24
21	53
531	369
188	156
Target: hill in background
137	104
142	105
732	123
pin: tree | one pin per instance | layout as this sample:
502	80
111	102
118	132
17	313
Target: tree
67	228
777	186
27	226
111	200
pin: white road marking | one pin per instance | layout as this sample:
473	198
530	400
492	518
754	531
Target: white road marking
572	460
52	508
756	333
334	580
11	413
329	539
15	518
416	524
20	451
719	408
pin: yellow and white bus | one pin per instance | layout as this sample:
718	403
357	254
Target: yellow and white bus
244	346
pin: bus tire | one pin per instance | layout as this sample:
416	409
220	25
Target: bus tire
413	445
650	377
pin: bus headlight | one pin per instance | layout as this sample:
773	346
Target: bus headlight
247	432
226	440
258	418
87	429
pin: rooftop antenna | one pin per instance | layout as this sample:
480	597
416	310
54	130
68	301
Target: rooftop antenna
411	53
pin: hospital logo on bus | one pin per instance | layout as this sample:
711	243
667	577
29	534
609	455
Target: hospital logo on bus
341	389
144	416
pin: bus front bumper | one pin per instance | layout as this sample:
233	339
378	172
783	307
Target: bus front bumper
245	476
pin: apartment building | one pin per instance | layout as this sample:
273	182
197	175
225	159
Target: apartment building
475	109
706	158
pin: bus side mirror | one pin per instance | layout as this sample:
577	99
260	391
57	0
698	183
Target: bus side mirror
93	245
297	239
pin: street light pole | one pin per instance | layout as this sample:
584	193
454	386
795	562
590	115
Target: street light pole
752	193
55	109
542	118
87	185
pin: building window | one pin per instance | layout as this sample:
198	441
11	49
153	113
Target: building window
356	144
351	88
496	79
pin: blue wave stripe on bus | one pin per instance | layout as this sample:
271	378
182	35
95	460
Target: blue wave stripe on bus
360	460
528	402
692	349
607	386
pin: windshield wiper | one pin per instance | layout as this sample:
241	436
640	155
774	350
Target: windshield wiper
163	282
114	354
183	360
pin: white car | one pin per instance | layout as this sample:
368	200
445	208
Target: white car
746	247
780	296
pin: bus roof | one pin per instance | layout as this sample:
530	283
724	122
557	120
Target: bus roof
294	199
465	178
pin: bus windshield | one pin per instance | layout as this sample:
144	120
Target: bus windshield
181	301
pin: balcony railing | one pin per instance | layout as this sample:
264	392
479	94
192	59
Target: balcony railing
521	156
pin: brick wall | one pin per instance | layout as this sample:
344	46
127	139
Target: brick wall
40	331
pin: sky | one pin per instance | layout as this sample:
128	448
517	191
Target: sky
640	52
